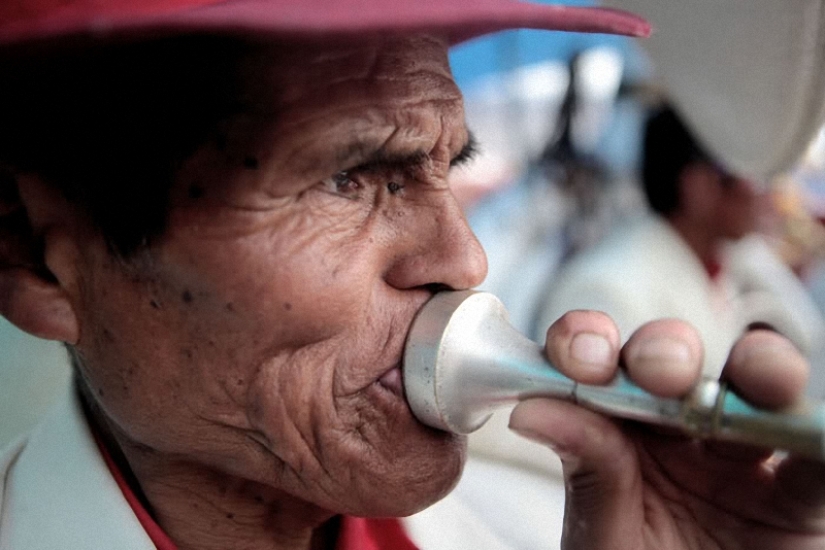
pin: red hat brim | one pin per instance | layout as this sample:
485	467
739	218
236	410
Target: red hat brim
28	21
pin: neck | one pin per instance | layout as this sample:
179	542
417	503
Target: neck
201	509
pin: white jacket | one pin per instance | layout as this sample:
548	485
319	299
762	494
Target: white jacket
56	491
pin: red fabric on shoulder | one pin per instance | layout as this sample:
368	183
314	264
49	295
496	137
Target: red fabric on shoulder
713	268
372	534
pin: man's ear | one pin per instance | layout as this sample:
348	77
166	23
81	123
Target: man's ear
33	239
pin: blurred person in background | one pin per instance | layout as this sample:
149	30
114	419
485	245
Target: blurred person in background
696	256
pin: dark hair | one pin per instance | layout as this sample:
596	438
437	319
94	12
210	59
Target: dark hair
109	126
669	147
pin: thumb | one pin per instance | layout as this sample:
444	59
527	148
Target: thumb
603	506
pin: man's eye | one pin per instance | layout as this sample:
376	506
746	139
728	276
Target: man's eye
342	184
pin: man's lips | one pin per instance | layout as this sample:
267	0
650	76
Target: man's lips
392	381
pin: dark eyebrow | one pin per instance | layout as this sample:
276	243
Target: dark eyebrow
467	153
380	159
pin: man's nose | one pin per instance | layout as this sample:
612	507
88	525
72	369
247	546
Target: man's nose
437	248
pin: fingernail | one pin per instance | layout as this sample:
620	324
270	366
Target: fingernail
590	348
660	351
773	349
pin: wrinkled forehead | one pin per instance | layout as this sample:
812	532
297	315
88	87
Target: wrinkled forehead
340	88
311	109
295	67
296	83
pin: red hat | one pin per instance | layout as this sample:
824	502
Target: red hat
29	21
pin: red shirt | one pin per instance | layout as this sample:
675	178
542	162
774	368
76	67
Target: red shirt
355	533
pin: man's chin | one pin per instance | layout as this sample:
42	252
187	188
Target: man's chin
425	480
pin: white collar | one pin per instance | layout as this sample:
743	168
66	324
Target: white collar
59	492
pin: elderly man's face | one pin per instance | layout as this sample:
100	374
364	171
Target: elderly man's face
261	336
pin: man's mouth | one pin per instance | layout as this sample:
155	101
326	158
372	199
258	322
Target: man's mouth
392	381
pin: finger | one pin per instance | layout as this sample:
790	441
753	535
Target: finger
664	357
600	465
766	369
584	345
737	452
